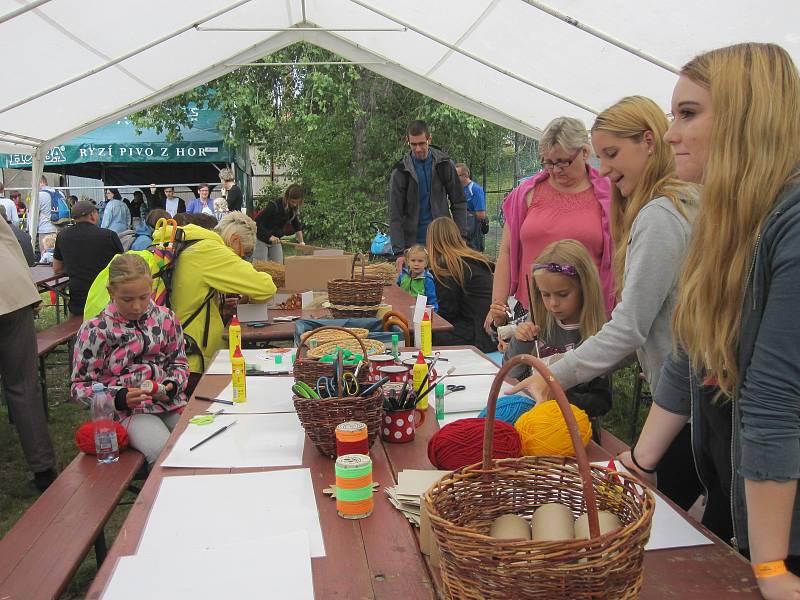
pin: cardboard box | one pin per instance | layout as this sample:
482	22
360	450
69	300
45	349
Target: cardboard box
314	272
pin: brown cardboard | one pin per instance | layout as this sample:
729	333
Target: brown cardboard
314	272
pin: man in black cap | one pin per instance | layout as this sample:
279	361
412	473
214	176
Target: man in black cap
82	251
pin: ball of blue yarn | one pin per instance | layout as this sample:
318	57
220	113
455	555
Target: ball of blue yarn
511	408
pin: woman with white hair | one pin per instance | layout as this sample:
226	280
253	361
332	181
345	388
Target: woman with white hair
213	263
567	199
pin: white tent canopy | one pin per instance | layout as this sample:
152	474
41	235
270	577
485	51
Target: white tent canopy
77	64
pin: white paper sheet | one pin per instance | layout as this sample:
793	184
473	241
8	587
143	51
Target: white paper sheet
264	360
264	395
472	399
273	440
670	529
208	511
465	361
238	571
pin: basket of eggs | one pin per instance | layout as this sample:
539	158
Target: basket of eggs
539	526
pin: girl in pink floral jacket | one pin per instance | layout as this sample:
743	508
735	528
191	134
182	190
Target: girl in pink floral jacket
130	342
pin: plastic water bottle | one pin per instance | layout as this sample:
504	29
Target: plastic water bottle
105	435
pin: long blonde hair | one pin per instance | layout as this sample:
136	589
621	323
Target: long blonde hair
754	151
447	251
593	307
631	118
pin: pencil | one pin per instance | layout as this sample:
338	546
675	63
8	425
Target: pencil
217	432
208	399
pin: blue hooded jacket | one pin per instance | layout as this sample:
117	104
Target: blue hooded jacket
144	237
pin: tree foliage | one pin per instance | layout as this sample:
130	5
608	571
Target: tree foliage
338	129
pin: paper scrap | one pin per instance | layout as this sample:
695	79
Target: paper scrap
194	512
253	312
221	365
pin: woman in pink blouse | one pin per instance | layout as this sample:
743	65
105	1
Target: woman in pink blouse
568	199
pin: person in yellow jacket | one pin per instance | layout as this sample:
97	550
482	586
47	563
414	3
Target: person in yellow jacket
214	263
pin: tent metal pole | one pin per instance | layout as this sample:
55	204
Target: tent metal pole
477	58
122	58
37	166
16	141
328	29
303	10
36	141
306	64
22	10
602	35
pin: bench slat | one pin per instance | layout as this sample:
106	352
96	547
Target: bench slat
45	567
52	337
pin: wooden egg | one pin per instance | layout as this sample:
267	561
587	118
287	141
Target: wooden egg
552	522
608	522
510	527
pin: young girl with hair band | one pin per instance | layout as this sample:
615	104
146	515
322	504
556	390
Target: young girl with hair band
737	371
463	279
568	307
133	341
652	212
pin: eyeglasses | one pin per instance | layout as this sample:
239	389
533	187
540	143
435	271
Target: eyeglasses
557	268
561	163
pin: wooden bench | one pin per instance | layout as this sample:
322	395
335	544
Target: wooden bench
50	339
41	553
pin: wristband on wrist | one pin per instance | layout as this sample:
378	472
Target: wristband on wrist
640	467
769	569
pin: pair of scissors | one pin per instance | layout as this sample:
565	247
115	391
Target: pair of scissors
206	419
455	388
327	386
304	390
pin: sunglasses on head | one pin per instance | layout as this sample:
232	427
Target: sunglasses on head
557	268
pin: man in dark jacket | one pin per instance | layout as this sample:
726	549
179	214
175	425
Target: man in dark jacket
422	187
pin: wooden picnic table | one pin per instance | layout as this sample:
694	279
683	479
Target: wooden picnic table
382	558
281	331
42	274
47	281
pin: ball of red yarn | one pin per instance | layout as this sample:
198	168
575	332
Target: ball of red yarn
460	443
84	437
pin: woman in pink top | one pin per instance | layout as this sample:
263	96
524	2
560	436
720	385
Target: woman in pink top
568	199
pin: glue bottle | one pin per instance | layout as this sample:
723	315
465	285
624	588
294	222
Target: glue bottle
439	401
418	373
395	346
425	334
234	335
239	376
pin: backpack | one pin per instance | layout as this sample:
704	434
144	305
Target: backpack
59	209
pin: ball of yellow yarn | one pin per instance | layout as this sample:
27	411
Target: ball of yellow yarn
543	430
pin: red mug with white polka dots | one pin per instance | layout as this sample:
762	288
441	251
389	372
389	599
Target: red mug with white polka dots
398	426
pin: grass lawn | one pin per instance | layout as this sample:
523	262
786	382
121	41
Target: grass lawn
16	488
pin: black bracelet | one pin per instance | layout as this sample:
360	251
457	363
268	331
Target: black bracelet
640	467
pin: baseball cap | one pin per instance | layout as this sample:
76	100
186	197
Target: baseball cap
82	208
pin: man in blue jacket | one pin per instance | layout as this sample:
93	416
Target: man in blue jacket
477	223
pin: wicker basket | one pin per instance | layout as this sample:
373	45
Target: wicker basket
308	369
463	504
353	297
333	335
354	346
321	417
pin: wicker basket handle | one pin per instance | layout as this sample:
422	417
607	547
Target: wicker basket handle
561	399
363	266
303	342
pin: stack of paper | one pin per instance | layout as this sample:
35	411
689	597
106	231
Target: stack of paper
232	532
263	360
411	484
